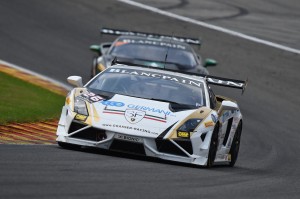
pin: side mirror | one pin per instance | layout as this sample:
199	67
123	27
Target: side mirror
210	62
101	49
75	81
228	106
96	49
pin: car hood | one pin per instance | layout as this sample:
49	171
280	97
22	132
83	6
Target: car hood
134	116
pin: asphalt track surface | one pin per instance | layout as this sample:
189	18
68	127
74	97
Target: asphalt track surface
275	20
52	38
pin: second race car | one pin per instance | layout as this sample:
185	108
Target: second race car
148	49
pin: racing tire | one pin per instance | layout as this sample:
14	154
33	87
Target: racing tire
213	147
234	150
69	146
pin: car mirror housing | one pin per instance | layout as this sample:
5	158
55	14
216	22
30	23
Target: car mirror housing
228	106
96	49
210	62
75	81
101	49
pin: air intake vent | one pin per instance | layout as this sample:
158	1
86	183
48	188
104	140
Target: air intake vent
91	134
227	131
203	136
128	147
165	146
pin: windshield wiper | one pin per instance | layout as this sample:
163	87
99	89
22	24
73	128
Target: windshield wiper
105	94
163	100
175	106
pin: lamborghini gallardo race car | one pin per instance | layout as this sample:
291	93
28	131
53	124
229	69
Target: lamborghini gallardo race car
153	112
149	49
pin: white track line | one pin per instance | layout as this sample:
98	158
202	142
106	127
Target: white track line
210	26
65	86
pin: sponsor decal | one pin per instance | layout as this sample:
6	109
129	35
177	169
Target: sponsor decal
223	82
112	103
209	123
183	134
130	128
80	117
214	118
92	98
128	138
152	42
134	116
147	108
173	78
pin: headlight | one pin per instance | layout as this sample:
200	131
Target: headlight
80	107
189	126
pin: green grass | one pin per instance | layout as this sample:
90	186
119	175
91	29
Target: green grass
21	101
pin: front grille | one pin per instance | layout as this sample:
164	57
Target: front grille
128	147
91	134
165	146
75	126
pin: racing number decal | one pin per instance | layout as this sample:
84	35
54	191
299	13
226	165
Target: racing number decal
96	98
93	97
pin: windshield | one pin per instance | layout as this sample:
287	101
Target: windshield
150	85
177	54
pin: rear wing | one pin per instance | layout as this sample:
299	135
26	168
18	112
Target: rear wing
214	80
226	82
110	31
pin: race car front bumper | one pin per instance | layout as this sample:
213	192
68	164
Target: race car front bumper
79	133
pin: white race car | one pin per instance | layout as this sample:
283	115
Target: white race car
153	112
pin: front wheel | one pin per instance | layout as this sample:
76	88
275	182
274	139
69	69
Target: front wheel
213	147
234	150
